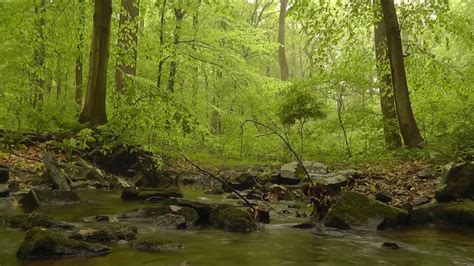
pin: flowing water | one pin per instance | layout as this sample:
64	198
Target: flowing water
274	244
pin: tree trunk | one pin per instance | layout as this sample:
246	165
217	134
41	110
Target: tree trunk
39	56
127	41
281	39
410	133
179	14
80	52
94	109
387	103
162	43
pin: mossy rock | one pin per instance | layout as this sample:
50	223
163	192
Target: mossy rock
28	221
232	219
130	194
452	213
106	234
156	246
36	198
203	209
355	210
41	243
458	183
151	213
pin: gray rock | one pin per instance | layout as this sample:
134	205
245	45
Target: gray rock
355	210
171	221
28	221
4	174
156	246
421	201
4	191
36	198
243	181
130	194
40	244
458	183
152	213
54	174
384	197
102	219
79	185
292	173
428	173
453	213
106	234
232	219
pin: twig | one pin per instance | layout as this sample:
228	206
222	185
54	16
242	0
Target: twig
218	179
285	140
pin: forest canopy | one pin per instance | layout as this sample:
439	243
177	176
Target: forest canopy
183	75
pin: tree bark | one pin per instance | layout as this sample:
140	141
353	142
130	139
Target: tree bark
127	42
179	14
281	39
410	133
162	43
80	52
94	111
387	103
39	56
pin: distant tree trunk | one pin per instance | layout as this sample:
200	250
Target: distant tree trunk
127	41
281	39
162	43
80	52
179	14
39	56
410	133
94	109
387	103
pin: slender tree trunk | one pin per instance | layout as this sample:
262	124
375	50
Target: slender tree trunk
80	52
95	106
179	14
127	42
410	133
162	43
387	103
281	39
39	56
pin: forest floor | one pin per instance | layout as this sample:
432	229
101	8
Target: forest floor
410	183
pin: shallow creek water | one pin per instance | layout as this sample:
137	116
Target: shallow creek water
274	244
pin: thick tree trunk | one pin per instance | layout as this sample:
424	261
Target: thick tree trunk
94	110
410	133
387	103
127	42
281	39
162	43
80	52
179	14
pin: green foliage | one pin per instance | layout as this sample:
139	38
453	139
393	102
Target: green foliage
299	103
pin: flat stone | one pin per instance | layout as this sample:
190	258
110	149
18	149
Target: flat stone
292	173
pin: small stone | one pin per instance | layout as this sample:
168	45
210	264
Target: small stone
4	174
391	245
383	197
421	200
157	246
4	191
427	173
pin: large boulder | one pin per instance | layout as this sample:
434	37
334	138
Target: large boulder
80	170
171	221
354	210
28	221
4	191
458	183
243	181
36	198
203	209
451	213
4	174
232	219
292	173
106	234
131	194
41	243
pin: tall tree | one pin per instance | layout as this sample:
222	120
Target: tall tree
162	43
281	39
127	42
80	52
387	103
40	55
94	110
410	133
179	15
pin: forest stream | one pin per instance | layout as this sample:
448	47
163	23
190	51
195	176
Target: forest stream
273	244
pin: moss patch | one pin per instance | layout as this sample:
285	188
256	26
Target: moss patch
355	209
41	243
232	219
454	213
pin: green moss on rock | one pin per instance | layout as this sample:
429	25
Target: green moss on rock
452	213
357	210
190	214
232	219
41	243
147	193
28	221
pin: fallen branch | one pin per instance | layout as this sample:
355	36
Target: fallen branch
285	140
